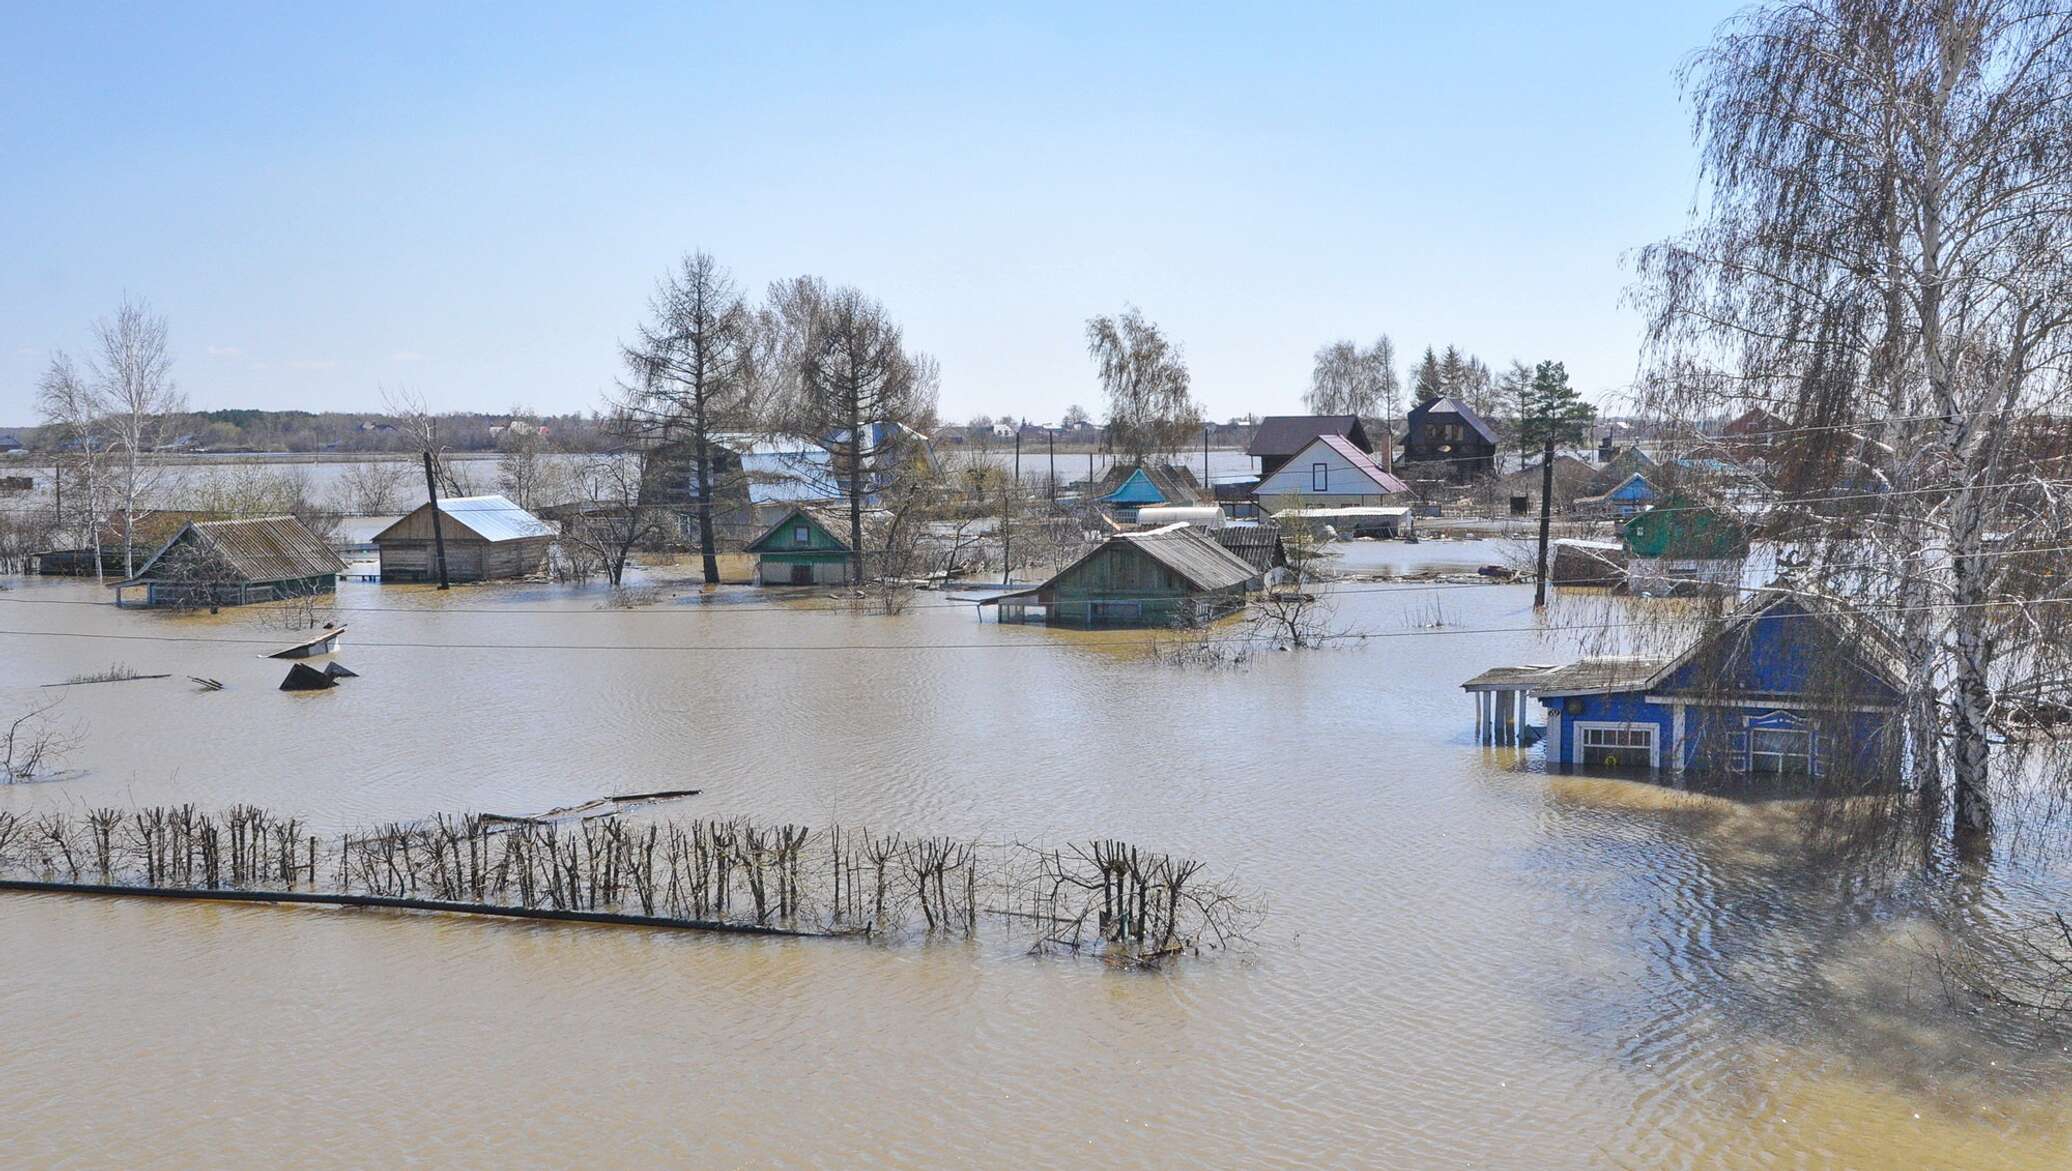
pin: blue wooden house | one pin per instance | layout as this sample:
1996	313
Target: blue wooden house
1630	496
1785	685
1125	490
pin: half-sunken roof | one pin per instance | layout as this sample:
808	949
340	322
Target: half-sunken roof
257	549
1284	435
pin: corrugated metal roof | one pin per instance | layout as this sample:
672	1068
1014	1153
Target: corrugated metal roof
258	549
494	518
1203	563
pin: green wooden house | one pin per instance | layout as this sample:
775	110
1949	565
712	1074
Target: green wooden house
1169	577
1684	546
800	549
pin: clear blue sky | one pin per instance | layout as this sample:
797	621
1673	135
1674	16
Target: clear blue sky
473	200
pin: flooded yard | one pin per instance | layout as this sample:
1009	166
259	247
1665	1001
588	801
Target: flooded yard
1467	961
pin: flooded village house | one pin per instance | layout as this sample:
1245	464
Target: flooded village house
1176	576
486	538
800	549
1448	436
234	562
1786	684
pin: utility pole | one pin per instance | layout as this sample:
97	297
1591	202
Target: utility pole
1053	465
431	488
1007	501
1205	462
1539	593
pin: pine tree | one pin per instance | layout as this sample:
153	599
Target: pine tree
1430	387
1554	411
1453	372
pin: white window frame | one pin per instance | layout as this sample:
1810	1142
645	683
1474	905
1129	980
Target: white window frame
1320	477
1805	752
801	534
1577	736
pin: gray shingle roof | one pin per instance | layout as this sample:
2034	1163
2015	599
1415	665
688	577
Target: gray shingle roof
259	549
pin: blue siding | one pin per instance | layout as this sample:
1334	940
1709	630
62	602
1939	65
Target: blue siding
1138	489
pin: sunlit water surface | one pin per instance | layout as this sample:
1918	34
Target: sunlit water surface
1467	961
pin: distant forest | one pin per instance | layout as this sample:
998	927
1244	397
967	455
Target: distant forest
246	430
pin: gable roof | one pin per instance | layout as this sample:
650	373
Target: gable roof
1174	484
490	518
826	527
1621	486
1869	642
1454	406
257	549
1289	434
1361	462
1194	556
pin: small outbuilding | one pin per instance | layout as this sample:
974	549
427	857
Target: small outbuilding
1124	489
800	549
1684	546
234	562
486	538
1176	576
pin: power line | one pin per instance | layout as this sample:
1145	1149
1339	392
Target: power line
1147	636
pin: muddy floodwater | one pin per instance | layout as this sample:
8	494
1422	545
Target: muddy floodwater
1467	961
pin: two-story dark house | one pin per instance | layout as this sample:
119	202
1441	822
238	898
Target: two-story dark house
1450	440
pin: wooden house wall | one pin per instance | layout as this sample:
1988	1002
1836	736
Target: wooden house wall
467	558
1123	586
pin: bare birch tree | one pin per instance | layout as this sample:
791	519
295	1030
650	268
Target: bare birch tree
1348	380
118	410
73	418
848	382
1881	261
1150	409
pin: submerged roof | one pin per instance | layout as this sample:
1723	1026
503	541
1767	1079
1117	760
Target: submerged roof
1288	434
256	549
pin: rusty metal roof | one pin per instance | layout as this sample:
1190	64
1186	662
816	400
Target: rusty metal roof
257	549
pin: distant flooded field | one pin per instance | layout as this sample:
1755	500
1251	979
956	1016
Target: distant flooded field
1467	961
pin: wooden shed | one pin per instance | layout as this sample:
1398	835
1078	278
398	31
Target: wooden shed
486	538
232	562
1177	576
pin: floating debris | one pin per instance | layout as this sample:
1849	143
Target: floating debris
322	642
303	677
590	810
341	671
206	684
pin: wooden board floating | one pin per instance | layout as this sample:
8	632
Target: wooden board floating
601	807
323	642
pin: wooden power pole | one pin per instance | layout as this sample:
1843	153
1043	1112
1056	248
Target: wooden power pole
1539	593
431	489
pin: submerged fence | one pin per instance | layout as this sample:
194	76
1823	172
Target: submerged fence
731	874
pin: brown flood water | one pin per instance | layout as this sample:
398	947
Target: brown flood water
1467	962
